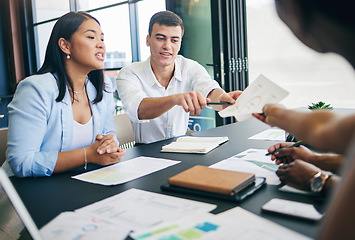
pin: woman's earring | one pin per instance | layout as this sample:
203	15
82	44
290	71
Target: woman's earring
68	56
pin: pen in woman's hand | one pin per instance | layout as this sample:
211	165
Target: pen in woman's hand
297	144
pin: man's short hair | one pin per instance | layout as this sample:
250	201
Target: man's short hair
167	18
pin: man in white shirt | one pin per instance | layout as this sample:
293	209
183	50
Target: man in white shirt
160	93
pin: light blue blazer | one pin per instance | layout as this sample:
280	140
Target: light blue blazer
40	127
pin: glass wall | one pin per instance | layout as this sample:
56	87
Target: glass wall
197	39
86	5
146	9
115	25
197	45
116	20
42	34
309	76
49	9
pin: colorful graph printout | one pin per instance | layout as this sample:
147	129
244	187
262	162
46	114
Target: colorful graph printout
260	92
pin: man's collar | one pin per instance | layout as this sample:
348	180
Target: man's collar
177	73
152	78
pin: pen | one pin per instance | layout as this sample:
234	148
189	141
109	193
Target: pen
219	103
297	144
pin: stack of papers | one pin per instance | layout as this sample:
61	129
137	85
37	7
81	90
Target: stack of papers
116	216
156	216
194	144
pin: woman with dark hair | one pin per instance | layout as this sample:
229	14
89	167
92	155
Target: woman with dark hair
62	117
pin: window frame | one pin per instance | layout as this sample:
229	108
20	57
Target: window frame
230	48
31	57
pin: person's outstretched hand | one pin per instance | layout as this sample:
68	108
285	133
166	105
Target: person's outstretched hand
267	115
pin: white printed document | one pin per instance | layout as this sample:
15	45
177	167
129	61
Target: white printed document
272	134
252	161
72	225
251	226
259	93
137	209
125	171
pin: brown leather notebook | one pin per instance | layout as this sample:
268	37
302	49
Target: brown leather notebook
212	180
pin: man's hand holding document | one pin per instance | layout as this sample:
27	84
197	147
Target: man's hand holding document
259	93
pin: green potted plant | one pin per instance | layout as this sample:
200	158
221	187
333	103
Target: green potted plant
320	105
314	106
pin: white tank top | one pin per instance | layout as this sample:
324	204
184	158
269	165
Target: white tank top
82	134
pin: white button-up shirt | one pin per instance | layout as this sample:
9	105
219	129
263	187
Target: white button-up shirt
137	81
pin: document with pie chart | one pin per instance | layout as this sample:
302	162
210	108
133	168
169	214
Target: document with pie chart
260	92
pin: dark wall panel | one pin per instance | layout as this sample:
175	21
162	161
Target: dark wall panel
4	72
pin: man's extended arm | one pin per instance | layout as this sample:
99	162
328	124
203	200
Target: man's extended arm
192	102
152	107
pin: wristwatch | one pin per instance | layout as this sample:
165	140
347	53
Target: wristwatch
318	181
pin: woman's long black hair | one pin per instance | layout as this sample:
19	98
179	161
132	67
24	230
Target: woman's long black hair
65	27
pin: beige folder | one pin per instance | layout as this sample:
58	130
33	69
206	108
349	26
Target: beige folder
212	180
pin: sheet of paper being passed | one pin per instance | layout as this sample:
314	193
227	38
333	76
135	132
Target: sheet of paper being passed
260	92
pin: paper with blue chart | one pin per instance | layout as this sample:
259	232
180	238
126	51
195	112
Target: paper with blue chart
271	134
260	92
235	223
74	226
137	209
252	161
